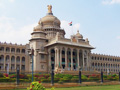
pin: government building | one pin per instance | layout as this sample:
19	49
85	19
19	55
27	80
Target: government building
52	51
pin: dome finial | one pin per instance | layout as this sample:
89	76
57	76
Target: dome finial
49	8
77	31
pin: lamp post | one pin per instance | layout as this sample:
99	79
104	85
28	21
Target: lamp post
80	80
32	54
17	76
101	77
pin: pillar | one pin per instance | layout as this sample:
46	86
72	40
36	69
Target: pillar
83	58
66	65
57	57
9	62
20	63
4	62
71	59
60	58
15	63
78	61
49	58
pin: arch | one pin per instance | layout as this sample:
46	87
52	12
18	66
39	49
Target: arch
17	50
69	58
101	64
12	59
12	50
1	48
92	58
7	58
75	64
7	49
63	58
23	60
23	50
18	59
2	59
98	58
96	65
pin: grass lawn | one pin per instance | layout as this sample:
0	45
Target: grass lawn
108	87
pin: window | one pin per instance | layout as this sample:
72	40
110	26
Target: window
42	66
42	56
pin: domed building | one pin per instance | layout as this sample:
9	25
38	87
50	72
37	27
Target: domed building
50	50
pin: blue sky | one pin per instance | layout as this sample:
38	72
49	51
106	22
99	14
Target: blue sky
97	20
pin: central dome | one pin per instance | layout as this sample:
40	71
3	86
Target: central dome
50	20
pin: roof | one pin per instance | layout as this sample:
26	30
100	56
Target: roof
53	42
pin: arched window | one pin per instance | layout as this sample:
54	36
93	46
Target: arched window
1	59
7	49
18	59
12	50
23	50
18	50
1	48
12	59
23	60
7	58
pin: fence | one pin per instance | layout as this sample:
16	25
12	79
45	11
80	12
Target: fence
45	77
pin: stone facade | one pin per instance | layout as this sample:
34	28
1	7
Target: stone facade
52	51
13	56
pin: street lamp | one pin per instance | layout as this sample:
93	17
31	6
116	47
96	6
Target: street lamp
80	80
32	55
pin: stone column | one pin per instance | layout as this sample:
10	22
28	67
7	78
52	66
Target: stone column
20	64
49	58
10	63
83	59
15	63
57	57
71	59
66	65
4	62
87	60
78	61
60	58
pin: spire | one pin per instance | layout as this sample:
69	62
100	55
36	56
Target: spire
49	10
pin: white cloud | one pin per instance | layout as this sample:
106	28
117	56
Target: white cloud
70	30
110	2
12	1
3	3
8	33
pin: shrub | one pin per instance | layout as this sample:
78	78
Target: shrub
74	79
60	82
22	76
12	76
84	78
59	75
4	79
5	75
93	77
36	86
1	75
